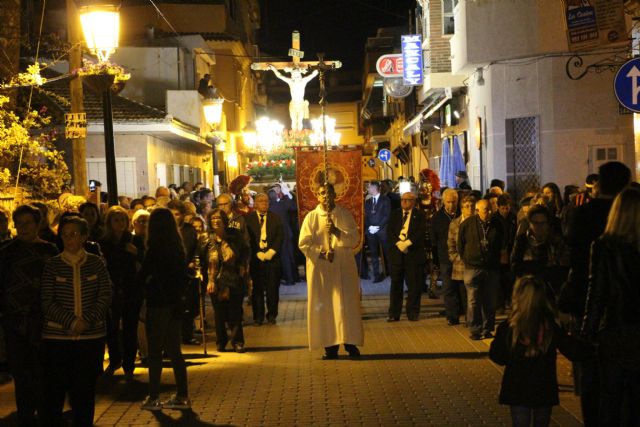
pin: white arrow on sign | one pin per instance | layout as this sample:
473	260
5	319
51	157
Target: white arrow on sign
633	74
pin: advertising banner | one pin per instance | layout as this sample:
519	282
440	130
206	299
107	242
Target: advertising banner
345	173
412	59
594	23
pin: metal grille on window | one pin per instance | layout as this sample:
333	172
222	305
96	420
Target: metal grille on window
523	169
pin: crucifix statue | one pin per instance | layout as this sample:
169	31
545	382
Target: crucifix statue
298	107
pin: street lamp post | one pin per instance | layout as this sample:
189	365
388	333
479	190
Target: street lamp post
101	27
212	109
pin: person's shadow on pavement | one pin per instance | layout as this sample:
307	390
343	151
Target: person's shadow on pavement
187	418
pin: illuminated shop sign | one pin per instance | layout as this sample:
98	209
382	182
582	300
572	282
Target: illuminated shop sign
412	59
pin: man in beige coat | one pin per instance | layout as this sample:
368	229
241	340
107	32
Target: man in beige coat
327	238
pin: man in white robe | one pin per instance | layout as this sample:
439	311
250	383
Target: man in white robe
327	238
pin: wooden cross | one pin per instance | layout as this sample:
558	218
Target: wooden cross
296	54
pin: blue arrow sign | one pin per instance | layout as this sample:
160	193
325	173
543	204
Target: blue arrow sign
384	155
626	85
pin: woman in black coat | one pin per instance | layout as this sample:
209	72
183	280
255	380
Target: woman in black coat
612	315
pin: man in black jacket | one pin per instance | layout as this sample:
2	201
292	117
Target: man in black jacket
479	244
377	210
407	257
439	235
266	235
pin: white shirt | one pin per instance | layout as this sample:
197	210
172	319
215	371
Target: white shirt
404	232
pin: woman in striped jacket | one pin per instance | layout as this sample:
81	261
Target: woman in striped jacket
76	294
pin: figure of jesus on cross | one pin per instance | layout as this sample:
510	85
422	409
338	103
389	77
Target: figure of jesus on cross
298	107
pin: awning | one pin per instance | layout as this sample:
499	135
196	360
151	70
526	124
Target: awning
437	100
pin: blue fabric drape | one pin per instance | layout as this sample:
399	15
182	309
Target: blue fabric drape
456	158
447	175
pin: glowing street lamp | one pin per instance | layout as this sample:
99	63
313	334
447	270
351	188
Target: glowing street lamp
101	28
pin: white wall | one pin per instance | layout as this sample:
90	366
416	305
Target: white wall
573	115
490	30
153	71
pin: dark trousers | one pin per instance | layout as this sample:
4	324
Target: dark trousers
287	260
375	242
405	270
589	392
523	416
454	294
123	344
619	395
482	288
192	308
163	333
25	364
266	279
71	367
228	313
507	279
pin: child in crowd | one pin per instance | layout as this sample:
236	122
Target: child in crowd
526	345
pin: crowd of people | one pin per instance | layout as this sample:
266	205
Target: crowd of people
564	269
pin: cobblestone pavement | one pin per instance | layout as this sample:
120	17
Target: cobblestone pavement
412	373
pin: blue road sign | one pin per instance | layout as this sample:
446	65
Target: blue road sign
627	85
371	162
384	155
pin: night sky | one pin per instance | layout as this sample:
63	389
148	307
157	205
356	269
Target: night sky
337	27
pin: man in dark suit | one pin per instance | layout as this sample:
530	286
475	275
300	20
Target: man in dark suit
266	235
439	240
377	210
407	257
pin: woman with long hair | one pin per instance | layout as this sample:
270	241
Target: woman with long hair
553	196
611	317
164	278
121	255
91	214
526	345
228	253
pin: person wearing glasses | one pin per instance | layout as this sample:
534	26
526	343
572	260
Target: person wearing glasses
76	295
541	251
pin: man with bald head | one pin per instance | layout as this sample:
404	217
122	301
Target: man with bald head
479	244
266	234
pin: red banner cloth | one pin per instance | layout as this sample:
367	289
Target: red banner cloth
345	173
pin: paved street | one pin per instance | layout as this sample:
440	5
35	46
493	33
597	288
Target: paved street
411	373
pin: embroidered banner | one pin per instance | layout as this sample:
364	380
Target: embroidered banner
345	173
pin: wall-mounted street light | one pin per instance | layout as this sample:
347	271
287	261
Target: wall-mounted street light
212	110
101	28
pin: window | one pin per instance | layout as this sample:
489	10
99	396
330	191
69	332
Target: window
600	154
448	7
